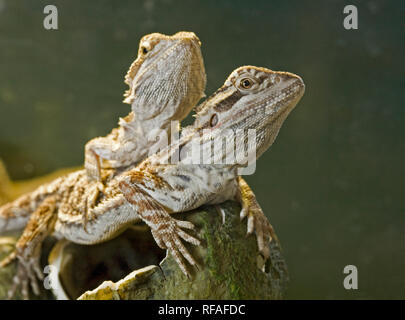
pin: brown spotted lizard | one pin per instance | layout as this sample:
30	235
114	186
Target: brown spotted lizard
251	98
165	82
177	180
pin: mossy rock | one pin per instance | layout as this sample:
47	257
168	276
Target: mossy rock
228	266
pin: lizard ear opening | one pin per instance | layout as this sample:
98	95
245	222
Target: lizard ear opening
213	120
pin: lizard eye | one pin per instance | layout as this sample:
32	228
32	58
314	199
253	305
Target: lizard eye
246	83
145	46
213	120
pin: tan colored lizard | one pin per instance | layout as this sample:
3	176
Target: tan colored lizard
251	99
189	87
154	106
165	82
113	213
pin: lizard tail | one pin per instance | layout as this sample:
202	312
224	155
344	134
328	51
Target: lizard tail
15	215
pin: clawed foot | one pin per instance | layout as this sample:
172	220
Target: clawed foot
168	236
257	222
27	275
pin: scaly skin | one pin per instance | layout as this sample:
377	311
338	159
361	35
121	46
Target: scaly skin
154	109
165	83
158	187
182	83
251	99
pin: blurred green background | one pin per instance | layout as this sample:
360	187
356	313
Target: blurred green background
332	184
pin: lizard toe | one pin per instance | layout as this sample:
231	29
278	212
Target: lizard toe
185	236
8	259
175	253
185	224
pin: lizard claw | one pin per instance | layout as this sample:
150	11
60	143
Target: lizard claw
222	213
257	222
8	259
168	236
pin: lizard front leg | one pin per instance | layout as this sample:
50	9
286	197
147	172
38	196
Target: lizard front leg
104	148
92	165
28	249
95	151
166	230
257	221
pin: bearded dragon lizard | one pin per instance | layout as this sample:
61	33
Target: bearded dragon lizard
155	104
251	98
165	82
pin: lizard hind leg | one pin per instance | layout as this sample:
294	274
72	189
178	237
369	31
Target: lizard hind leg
28	249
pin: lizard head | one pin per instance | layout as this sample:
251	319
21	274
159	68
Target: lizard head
251	98
167	78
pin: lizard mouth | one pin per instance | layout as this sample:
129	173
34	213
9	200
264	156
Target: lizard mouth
286	100
271	107
269	130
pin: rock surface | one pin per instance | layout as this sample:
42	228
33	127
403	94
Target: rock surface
228	266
